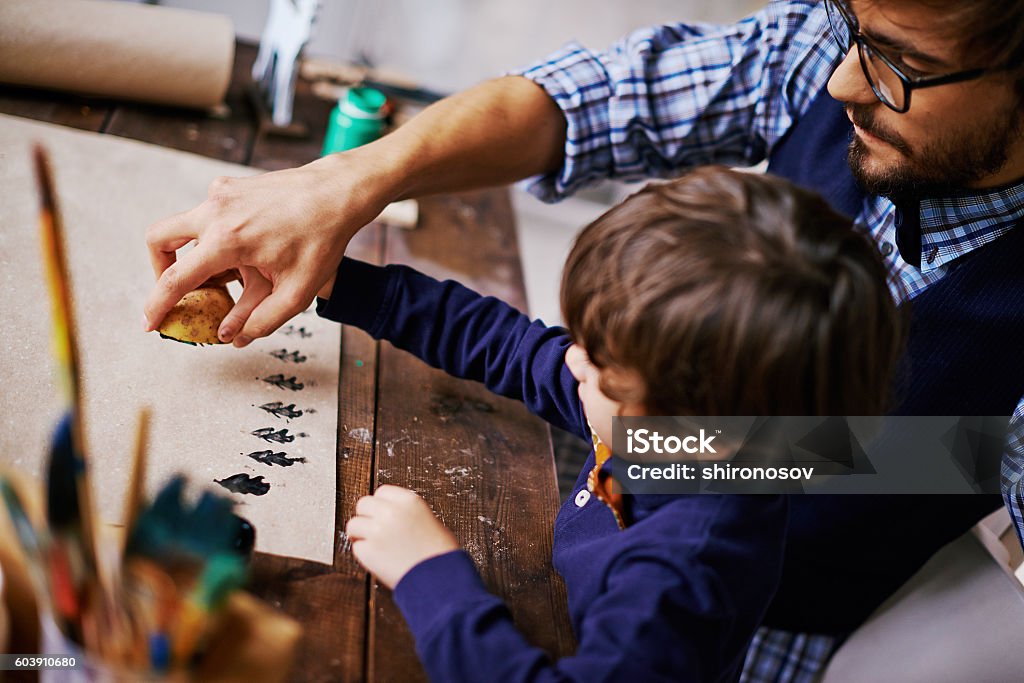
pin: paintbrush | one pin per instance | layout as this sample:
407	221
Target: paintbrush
75	574
32	542
153	601
137	484
199	546
68	558
222	574
169	530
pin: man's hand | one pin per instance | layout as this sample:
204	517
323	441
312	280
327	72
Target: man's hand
393	530
284	232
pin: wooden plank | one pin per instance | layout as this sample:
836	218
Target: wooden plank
356	433
469	237
52	107
482	462
227	135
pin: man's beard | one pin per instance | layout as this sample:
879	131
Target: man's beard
943	166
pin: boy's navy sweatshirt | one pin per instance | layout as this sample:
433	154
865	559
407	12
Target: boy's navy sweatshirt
676	596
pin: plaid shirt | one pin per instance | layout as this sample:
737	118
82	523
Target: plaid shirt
671	97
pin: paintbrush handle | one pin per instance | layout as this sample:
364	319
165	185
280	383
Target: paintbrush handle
137	484
192	623
33	544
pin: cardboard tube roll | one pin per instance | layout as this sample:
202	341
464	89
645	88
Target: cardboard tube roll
113	49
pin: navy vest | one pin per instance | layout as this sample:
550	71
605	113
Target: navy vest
846	554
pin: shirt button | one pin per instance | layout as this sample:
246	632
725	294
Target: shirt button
886	248
932	254
582	497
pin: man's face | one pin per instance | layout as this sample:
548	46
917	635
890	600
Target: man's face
954	136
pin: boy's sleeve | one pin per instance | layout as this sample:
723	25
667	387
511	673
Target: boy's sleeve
463	333
673	607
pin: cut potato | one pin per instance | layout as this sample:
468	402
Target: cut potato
197	317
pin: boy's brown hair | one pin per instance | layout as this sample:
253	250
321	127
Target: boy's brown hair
730	293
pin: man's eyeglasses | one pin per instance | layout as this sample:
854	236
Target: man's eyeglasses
889	81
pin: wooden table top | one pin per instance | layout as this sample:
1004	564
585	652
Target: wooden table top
482	462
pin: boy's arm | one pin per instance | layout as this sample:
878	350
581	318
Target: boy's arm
680	603
463	333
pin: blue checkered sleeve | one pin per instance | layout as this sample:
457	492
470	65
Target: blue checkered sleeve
784	657
1012	471
666	98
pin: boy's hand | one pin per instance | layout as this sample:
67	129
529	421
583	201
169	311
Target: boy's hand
394	530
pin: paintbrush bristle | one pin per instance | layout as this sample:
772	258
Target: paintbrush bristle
44	179
23	527
173	528
62	504
54	258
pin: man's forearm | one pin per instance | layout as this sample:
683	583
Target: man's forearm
290	227
497	132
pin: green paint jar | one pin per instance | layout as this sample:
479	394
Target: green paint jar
356	120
